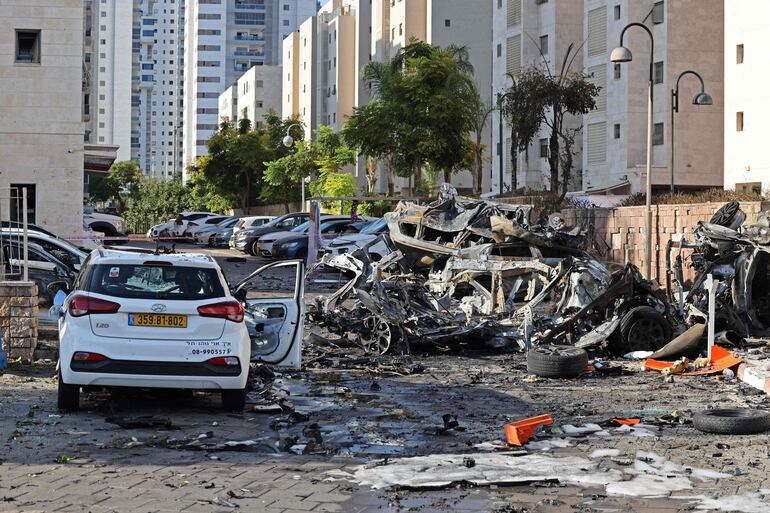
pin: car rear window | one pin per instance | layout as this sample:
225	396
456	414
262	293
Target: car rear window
155	282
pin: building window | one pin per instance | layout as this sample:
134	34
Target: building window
749	187
739	121
447	23
499	4
616	10
616	131
616	71
28	46
739	54
658	13
544	44
657	73
543	148
540	2
657	134
499	50
400	29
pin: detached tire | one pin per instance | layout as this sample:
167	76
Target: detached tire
234	400
68	398
643	329
732	421
557	361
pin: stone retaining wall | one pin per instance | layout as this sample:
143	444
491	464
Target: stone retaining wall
19	318
621	229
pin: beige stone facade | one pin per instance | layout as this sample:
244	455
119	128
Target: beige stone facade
19	319
41	123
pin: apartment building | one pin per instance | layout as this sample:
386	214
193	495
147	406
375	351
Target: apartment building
688	34
253	96
134	68
324	59
747	41
41	126
224	39
533	33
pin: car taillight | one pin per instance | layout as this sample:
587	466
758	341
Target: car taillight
230	310
84	305
81	356
226	361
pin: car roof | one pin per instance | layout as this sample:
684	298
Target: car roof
114	256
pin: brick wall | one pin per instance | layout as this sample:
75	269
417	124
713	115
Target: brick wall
622	229
19	318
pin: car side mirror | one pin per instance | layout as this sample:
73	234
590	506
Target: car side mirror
240	294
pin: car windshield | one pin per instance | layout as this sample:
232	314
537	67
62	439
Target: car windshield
301	228
139	281
375	227
227	223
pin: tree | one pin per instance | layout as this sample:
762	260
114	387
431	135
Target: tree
369	131
160	200
236	161
121	183
550	97
421	110
321	159
481	114
203	191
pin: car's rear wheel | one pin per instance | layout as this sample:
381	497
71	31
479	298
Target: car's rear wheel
69	396
234	400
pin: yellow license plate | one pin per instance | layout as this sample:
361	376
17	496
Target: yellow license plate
157	320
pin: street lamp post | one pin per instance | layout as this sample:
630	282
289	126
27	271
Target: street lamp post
623	54
702	98
288	141
500	139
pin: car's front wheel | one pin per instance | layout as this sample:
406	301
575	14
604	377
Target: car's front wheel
68	397
253	250
234	400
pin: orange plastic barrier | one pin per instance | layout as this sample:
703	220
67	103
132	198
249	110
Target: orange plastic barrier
517	433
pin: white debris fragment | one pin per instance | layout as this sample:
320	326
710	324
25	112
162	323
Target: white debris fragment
743	503
638	355
440	470
651	486
547	445
587	429
604	453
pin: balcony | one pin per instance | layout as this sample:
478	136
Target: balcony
248	37
249	53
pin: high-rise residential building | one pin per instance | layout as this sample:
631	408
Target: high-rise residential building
747	40
253	96
532	34
223	39
41	129
324	59
135	61
687	34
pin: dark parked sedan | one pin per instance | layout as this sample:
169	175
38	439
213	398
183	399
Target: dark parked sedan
296	244
246	240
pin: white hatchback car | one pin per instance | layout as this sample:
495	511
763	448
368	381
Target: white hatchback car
170	321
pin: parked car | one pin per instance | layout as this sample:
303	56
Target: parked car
246	240
49	273
107	224
189	220
186	329
203	234
295	244
355	241
251	222
64	251
200	234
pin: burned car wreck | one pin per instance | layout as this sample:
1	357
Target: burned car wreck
739	258
464	270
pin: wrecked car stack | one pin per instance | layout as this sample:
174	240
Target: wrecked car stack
464	270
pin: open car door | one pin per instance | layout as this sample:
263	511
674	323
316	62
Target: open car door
274	304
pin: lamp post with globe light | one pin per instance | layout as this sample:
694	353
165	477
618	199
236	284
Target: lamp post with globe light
702	98
288	141
623	54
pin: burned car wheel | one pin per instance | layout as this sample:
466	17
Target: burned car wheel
557	361
734	421
642	329
376	335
